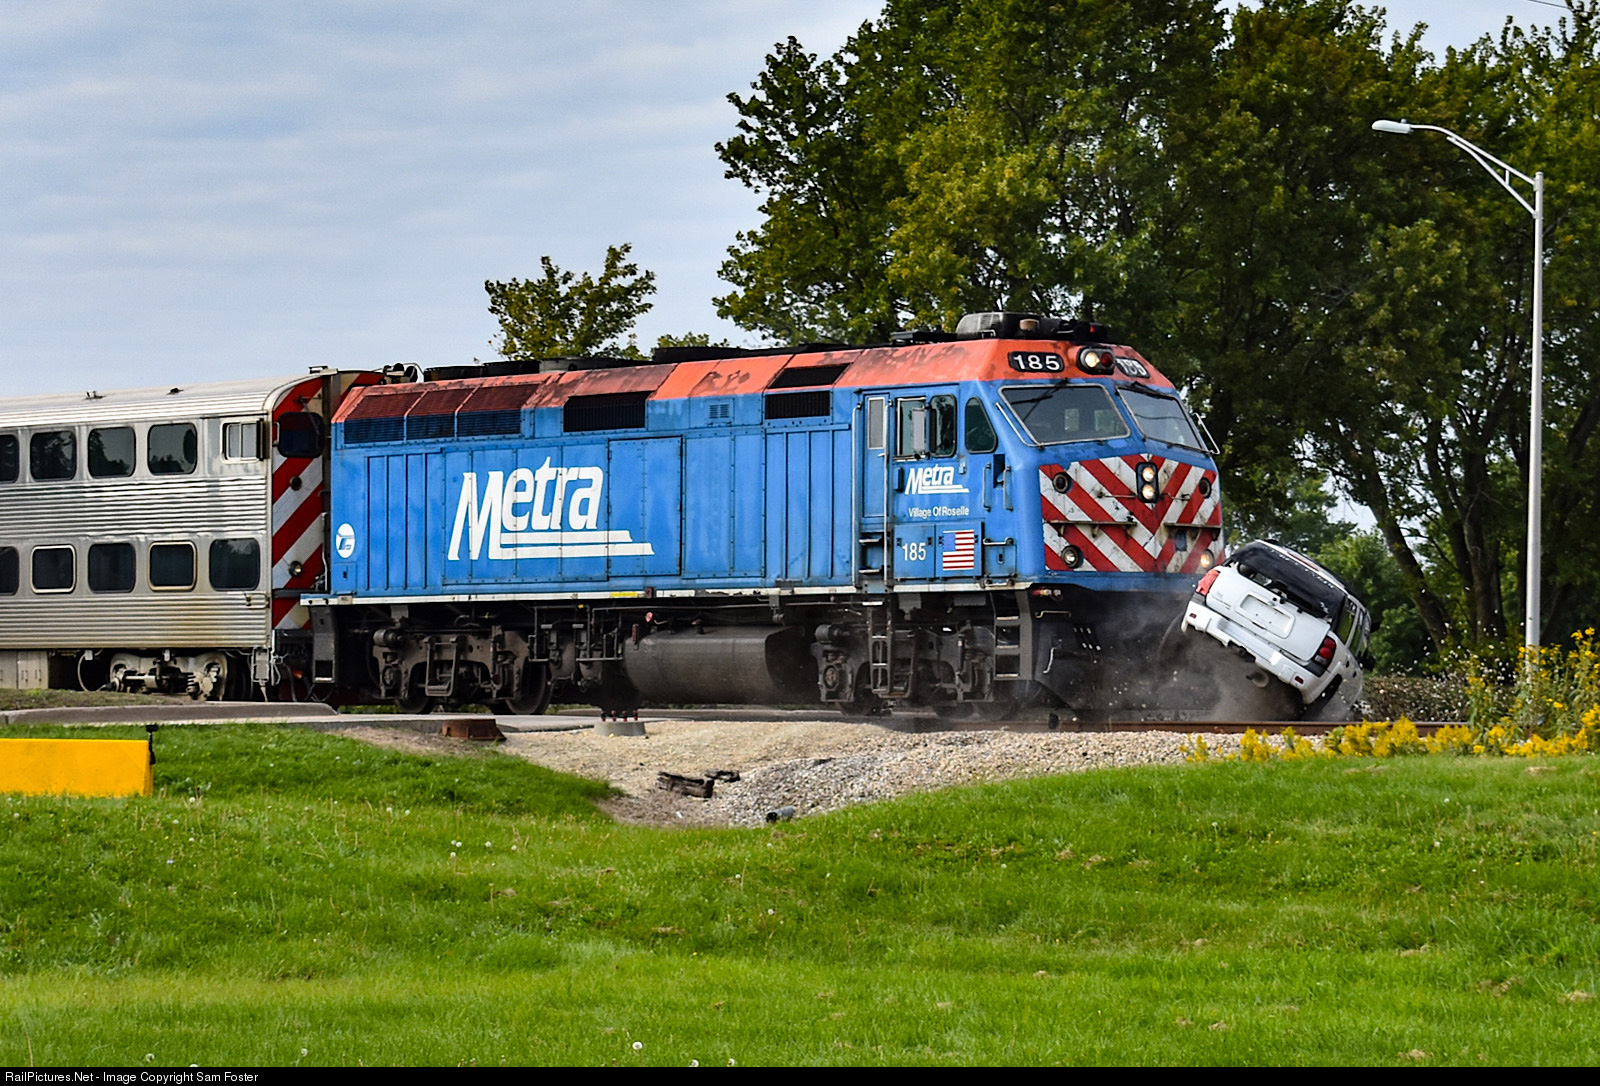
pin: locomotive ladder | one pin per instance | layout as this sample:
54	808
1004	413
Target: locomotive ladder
1008	636
882	674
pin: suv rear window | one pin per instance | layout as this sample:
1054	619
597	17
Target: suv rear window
1308	588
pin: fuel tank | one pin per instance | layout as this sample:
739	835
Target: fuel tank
759	665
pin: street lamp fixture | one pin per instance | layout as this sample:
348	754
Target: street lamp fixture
1504	174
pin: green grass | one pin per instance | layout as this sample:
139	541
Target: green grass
288	890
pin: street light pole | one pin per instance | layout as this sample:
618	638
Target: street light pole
1503	173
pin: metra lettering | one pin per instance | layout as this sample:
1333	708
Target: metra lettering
521	515
934	479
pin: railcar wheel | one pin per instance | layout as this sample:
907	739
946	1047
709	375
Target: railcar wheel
535	698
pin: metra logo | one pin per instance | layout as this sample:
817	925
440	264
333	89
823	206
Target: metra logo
933	479
521	514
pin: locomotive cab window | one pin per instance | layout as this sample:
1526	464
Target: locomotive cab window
53	454
111	452
1058	414
981	437
910	427
235	564
877	413
8	571
172	566
942	425
8	458
111	567
174	449
53	569
925	427
1162	418
243	440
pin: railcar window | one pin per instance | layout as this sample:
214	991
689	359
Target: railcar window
1162	418
235	564
53	454
8	571
300	435
8	458
242	441
1056	414
980	432
111	567
53	569
172	566
112	452
174	449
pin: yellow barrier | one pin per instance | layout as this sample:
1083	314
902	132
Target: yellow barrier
78	767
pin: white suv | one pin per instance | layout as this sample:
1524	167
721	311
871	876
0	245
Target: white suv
1298	622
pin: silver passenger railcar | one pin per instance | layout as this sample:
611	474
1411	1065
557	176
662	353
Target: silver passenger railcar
160	538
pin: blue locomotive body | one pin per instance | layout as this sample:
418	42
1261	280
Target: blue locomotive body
1014	514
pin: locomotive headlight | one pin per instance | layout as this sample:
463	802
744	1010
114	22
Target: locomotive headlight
1095	360
1204	488
1071	556
1206	560
1061	481
296	568
1149	481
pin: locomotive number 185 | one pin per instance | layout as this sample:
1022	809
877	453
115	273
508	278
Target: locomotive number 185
1036	362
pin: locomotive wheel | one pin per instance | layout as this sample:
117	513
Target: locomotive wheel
1001	708
535	698
415	704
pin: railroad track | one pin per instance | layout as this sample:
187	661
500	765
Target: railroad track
320	716
1186	727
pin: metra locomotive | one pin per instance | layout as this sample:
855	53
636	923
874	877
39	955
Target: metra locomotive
1013	513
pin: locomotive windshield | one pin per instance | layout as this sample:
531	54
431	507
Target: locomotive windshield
1056	414
1162	418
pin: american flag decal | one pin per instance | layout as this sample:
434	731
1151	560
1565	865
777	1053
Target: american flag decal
959	551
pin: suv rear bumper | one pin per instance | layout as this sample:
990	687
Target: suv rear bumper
1306	684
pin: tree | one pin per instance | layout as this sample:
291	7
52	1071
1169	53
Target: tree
1340	304
560	314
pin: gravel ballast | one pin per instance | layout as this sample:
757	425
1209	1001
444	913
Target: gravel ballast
816	766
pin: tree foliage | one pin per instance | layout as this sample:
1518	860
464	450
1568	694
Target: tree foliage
560	314
1340	303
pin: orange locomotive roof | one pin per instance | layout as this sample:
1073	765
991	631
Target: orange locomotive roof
914	364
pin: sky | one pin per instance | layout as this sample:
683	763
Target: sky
196	191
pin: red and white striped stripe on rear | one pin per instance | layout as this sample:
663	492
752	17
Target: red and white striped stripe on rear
1116	532
298	532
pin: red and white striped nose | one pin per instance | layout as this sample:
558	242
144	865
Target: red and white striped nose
1132	514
